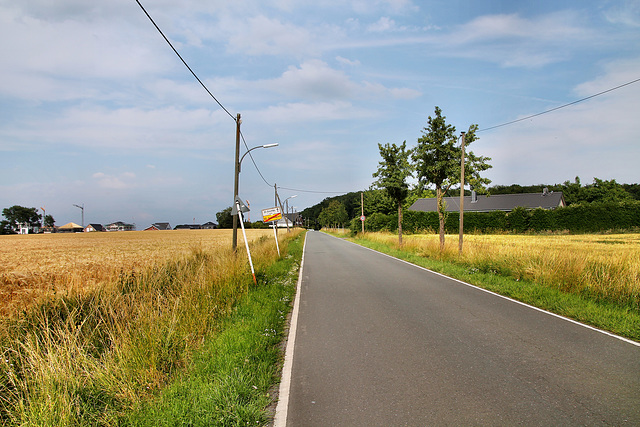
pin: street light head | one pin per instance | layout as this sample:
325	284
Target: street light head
293	196
275	144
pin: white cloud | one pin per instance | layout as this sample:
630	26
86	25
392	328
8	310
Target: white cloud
382	25
353	63
513	41
315	79
261	35
626	12
112	182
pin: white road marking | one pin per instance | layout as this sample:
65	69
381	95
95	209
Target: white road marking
282	408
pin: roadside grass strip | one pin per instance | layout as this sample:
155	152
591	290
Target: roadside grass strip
232	378
608	316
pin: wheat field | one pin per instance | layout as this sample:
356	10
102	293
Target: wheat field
36	267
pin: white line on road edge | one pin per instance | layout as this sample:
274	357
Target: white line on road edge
637	344
280	419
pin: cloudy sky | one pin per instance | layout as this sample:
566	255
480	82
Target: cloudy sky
96	109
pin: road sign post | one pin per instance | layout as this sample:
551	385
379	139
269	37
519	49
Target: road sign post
273	215
240	207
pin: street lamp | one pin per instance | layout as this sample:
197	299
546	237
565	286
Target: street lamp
235	184
286	219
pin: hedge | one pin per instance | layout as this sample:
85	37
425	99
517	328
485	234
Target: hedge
582	218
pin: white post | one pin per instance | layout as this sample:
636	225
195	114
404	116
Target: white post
246	243
275	234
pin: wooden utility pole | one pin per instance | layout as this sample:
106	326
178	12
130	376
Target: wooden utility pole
362	210
234	240
461	197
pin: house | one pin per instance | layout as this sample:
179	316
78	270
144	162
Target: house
93	227
120	226
209	226
156	226
187	227
23	228
498	202
70	227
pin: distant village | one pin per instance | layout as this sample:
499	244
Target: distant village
72	227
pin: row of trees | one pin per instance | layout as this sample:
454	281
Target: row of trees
436	164
435	161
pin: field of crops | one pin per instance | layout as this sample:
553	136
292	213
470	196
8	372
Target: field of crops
33	267
95	324
603	266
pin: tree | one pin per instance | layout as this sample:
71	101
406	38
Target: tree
18	214
49	221
333	215
437	158
225	219
393	171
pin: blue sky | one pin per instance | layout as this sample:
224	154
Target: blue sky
96	109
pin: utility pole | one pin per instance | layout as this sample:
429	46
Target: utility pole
279	203
234	241
461	196
362	209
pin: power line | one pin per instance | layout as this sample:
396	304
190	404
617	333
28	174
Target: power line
562	106
183	61
316	192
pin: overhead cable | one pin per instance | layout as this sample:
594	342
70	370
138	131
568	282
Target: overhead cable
183	61
562	106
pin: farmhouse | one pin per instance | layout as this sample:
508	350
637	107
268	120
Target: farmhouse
498	202
93	227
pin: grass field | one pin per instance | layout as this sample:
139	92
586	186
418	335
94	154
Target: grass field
95	325
36	267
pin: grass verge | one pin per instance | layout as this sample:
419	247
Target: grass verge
616	318
230	380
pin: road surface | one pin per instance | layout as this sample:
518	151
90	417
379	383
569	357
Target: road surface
379	342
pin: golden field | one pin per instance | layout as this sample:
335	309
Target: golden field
606	266
33	267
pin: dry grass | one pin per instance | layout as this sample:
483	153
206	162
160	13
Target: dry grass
37	267
603	266
130	310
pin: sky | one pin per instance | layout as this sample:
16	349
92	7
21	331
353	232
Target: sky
97	110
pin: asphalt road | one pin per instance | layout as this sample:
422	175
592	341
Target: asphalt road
383	343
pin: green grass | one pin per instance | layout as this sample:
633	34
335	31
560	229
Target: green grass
232	376
615	318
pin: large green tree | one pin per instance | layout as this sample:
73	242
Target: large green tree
225	219
393	171
19	214
437	160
